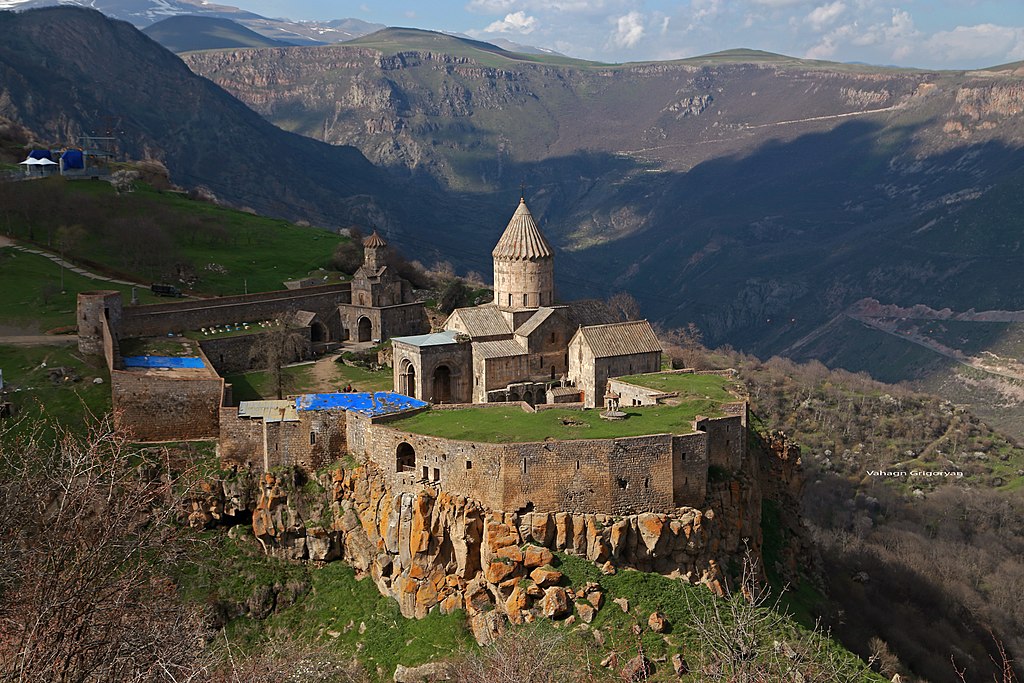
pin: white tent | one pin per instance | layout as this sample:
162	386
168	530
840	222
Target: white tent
31	162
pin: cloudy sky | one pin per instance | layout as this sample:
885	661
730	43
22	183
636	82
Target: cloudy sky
922	33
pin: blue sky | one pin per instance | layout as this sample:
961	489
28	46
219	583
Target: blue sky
922	33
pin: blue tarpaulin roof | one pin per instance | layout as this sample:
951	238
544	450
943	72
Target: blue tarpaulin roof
163	362
73	158
371	404
40	154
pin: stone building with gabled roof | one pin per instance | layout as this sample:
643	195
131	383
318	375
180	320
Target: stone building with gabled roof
600	352
382	303
521	346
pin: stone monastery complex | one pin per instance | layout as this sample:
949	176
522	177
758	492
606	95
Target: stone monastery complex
524	351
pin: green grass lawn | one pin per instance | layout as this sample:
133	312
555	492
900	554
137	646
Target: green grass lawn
36	398
687	385
148	232
510	425
253	386
34	299
158	346
363	379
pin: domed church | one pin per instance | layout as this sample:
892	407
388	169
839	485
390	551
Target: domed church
525	345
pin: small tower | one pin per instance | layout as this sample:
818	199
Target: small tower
524	268
374	253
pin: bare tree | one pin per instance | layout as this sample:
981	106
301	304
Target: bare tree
84	533
530	654
275	349
748	637
623	306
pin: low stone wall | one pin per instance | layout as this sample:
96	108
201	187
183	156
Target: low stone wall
159	319
230	355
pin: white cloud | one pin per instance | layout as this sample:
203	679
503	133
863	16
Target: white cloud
516	22
593	7
825	15
629	29
983	41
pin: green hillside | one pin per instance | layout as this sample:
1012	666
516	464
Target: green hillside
164	236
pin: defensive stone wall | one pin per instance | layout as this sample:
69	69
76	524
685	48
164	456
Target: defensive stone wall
316	439
159	319
627	475
155	406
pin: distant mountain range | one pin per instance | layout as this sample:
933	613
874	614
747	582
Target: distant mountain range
143	13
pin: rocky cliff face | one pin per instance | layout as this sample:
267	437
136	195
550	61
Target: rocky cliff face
434	551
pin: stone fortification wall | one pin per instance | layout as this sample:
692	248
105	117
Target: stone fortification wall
612	476
157	407
727	437
241	440
159	319
316	439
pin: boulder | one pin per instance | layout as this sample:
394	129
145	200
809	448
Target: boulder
537	557
657	622
680	665
499	571
637	669
623	603
555	603
424	673
586	612
544	577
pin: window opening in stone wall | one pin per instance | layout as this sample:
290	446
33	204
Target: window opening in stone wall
405	458
552	372
469	464
623	484
552	337
312	438
437	474
524	300
425	472
647	482
524	465
510	301
577	464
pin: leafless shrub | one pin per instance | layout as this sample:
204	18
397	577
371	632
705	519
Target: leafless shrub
83	534
529	654
745	636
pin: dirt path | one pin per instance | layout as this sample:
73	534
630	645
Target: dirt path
78	270
39	340
324	373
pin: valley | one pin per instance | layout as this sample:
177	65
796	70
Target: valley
842	242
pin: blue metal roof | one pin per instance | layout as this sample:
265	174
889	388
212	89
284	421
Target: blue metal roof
164	362
370	404
432	339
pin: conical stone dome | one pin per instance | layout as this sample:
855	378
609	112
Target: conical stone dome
522	238
524	270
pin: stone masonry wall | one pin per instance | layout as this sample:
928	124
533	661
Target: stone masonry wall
157	408
159	319
230	355
241	440
612	476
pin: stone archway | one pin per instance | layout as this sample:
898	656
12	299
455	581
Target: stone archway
407	379
405	458
364	329
318	332
442	384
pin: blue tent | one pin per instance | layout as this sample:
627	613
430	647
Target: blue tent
40	154
72	158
